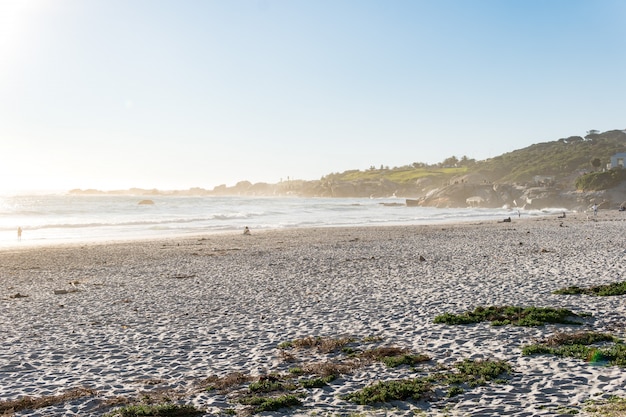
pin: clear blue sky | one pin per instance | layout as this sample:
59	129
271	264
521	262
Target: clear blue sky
179	93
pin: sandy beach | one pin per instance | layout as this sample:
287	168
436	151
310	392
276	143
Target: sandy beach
126	321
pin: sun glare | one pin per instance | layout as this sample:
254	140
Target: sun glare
14	21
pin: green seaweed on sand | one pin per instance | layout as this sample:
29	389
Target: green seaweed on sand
611	407
322	344
158	410
470	372
397	390
479	372
393	356
316	382
583	346
613	289
261	404
269	384
519	316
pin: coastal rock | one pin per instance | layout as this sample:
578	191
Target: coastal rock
146	202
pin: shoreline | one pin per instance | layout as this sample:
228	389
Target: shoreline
128	318
26	244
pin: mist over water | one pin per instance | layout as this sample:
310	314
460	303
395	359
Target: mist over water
52	219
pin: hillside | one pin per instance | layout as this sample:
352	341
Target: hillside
568	173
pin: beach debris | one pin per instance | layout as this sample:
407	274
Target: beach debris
18	295
422	259
8	407
60	292
146	202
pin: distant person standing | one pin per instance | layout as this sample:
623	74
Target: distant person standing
19	233
595	209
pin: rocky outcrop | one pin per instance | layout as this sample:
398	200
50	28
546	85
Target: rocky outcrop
467	194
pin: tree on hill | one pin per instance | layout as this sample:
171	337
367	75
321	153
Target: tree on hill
596	163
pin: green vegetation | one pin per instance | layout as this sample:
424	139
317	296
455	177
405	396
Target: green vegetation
399	360
323	344
269	384
317	382
559	158
519	316
261	404
479	372
393	356
612	407
454	391
400	175
225	382
582	345
470	372
600	180
161	410
616	288
387	391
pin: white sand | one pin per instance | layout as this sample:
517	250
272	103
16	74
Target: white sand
145	316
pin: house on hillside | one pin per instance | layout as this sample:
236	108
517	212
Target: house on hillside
617	160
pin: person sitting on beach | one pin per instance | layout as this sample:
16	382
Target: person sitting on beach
246	231
562	216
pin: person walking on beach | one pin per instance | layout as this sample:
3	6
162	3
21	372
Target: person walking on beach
19	233
595	209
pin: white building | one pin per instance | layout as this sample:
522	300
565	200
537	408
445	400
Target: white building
617	160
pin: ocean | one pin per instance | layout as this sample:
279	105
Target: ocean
54	219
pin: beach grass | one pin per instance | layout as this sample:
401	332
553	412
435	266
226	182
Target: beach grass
613	289
514	315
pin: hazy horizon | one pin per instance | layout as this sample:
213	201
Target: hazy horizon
115	94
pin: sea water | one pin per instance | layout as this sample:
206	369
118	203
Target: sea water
52	219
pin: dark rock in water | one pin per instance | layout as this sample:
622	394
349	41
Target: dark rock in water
146	202
412	202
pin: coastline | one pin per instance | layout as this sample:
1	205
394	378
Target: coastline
126	318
